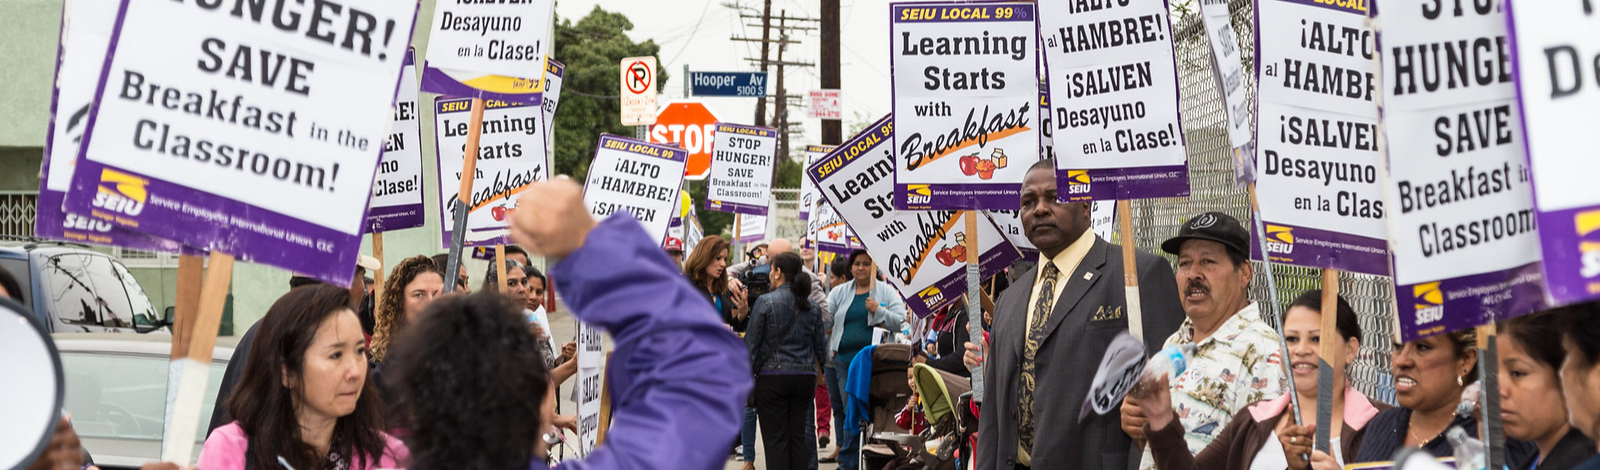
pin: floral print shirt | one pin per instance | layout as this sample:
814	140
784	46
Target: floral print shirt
1238	365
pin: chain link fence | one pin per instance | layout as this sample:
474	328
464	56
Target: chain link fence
1212	189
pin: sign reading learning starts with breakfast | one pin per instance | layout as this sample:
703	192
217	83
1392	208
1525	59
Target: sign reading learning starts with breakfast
966	80
511	157
243	133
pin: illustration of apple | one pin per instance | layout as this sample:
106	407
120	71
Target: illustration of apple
969	164
986	169
959	252
499	213
946	257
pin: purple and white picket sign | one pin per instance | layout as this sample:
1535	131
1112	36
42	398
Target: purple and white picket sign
1228	67
489	50
85	34
1318	173
830	231
922	253
511	157
808	191
638	178
1554	50
742	161
554	70
692	233
268	156
1465	236
1102	220
1118	132
397	192
965	79
751	228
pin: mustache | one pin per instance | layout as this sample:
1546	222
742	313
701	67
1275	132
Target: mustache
1194	284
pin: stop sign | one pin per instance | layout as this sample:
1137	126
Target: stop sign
688	124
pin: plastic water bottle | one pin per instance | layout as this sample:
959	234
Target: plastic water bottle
1169	362
1469	452
1469	399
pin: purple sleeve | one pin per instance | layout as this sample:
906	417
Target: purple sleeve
678	377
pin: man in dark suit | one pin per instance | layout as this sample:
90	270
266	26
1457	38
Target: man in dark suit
1050	331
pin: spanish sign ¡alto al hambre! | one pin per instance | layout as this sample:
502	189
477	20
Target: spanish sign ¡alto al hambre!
397	192
244	134
741	169
1114	90
921	252
1317	123
85	34
624	177
489	50
966	80
510	158
1554	56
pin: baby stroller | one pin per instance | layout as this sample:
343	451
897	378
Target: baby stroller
941	395
886	395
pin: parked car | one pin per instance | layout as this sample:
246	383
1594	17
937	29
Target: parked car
70	288
116	392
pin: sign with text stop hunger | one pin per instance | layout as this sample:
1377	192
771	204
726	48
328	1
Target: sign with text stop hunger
921	252
637	178
741	169
691	125
253	132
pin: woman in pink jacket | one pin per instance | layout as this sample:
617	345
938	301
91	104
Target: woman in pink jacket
304	401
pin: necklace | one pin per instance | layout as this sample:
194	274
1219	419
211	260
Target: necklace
1411	427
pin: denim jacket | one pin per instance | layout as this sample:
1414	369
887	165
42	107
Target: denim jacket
801	350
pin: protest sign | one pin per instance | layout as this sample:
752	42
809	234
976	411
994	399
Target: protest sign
1102	220
692	232
635	177
1229	69
591	374
1114	90
489	50
510	158
553	71
832	234
397	193
1319	188
1047	133
1465	238
808	191
242	134
752	228
741	169
965	81
1554	56
85	33
923	253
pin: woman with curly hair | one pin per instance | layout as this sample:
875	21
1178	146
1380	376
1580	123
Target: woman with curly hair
477	344
305	400
411	286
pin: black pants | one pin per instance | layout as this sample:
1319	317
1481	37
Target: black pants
782	404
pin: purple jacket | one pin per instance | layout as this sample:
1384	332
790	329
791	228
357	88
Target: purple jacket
678	376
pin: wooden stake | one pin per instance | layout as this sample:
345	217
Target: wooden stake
377	277
500	268
178	445
190	270
605	404
1330	376
469	168
1130	269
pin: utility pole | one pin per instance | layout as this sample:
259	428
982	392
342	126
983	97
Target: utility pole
780	112
766	38
832	129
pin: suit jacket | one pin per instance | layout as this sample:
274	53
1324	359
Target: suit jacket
1075	341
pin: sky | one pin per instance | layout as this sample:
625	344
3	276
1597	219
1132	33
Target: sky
697	32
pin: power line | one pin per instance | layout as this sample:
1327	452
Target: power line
692	32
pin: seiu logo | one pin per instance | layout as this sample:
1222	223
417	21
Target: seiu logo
919	194
1280	239
1430	303
1587	223
1077	182
930	296
74	222
121	193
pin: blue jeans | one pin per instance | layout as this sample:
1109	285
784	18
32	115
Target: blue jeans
747	434
848	455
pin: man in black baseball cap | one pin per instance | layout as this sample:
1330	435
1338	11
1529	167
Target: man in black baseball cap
1233	343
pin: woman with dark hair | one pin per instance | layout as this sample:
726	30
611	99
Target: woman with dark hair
858	306
785	337
1580	371
1531	407
707	269
477	344
413	283
1263	435
1429	376
305	401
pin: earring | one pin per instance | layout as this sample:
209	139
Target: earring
1460	380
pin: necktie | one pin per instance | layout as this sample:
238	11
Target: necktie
1041	316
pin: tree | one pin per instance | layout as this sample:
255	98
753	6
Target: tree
592	50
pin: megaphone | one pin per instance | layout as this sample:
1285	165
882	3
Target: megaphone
32	404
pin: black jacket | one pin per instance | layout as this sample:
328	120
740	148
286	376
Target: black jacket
726	312
799	349
1571	451
951	342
